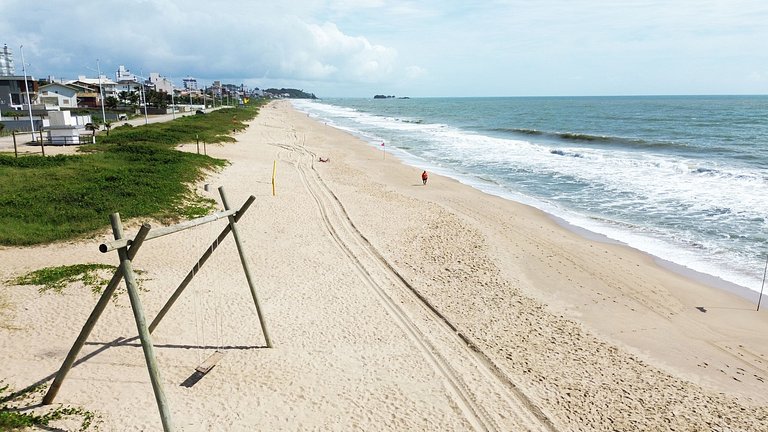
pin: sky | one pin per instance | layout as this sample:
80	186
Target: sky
424	48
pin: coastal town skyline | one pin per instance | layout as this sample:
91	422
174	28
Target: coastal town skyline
424	49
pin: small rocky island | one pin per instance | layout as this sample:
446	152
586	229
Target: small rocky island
380	96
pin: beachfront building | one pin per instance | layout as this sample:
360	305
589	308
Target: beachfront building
127	86
160	83
127	82
57	95
123	75
190	84
13	91
90	96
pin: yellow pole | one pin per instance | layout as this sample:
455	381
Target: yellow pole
274	169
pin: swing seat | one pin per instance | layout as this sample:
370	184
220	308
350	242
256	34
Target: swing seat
210	362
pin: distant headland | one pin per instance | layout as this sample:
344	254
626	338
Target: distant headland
289	93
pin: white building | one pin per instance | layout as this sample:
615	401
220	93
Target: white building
190	83
65	129
57	95
160	83
124	74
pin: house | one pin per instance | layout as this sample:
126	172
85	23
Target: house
57	96
13	90
92	98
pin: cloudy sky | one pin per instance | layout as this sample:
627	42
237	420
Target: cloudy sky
420	48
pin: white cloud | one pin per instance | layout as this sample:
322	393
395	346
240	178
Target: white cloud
345	57
371	46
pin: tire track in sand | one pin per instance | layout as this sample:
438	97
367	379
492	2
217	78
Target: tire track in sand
482	392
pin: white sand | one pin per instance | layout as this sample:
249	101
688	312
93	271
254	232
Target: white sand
391	306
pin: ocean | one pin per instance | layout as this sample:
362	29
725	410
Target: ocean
682	178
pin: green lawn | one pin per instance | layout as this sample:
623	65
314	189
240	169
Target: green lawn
134	171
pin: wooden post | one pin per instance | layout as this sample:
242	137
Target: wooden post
141	325
197	139
274	171
42	147
15	151
205	150
176	294
93	318
246	268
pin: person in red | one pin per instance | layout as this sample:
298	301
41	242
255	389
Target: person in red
424	177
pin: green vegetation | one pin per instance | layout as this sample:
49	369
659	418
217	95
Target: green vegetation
56	278
12	418
291	92
135	171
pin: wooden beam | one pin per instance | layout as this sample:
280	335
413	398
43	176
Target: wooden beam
159	232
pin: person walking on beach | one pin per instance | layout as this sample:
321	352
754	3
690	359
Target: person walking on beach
424	177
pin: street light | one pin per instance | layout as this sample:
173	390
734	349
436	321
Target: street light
26	86
173	102
144	97
101	92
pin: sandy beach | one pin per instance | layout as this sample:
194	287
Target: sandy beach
392	306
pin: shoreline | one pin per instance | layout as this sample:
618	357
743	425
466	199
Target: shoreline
393	306
687	272
745	280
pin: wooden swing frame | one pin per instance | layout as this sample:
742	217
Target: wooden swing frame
127	250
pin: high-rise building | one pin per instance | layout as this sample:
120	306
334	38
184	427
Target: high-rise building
6	62
124	74
190	83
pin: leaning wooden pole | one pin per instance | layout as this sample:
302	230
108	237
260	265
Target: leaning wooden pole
246	268
106	296
141	325
760	299
196	268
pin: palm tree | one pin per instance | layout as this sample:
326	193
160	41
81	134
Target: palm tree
124	96
93	127
133	98
111	102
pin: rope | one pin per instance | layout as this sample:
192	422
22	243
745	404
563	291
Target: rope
197	313
218	294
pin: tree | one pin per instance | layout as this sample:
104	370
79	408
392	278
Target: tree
111	102
124	96
93	127
133	98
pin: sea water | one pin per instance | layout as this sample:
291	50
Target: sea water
680	177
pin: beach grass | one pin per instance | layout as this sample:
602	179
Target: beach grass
56	278
13	418
135	171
